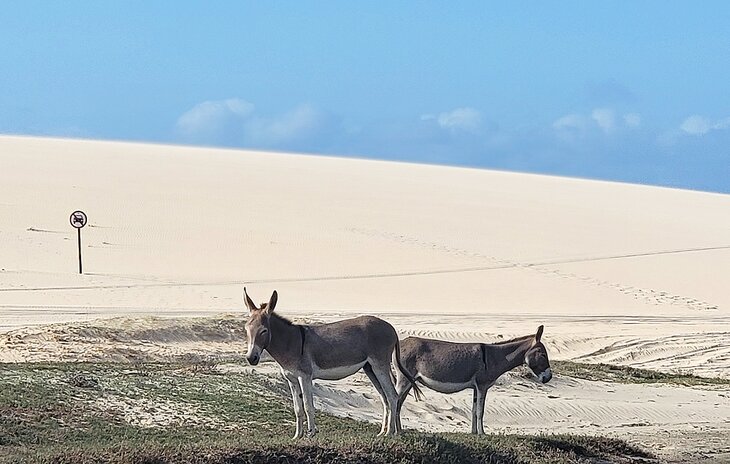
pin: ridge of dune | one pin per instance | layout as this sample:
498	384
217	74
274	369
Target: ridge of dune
169	224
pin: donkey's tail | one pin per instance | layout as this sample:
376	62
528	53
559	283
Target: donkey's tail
416	389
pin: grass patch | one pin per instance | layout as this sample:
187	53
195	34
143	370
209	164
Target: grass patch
195	413
625	374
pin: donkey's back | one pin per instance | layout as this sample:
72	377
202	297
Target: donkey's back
349	342
358	331
443	366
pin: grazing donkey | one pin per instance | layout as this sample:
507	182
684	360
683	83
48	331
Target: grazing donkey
329	352
451	367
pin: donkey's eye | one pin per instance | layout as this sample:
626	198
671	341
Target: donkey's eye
264	332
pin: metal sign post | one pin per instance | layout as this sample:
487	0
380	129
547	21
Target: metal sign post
78	220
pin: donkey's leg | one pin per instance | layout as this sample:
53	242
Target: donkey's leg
376	383
305	382
383	373
402	387
474	403
296	395
401	399
481	401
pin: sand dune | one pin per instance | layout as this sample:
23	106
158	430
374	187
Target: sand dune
618	273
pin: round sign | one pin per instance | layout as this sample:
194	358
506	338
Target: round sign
78	219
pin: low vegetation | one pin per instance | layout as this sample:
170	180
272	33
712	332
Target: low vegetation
201	413
625	374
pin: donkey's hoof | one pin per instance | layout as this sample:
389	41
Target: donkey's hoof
312	433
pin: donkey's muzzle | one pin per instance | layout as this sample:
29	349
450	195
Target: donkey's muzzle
546	376
253	359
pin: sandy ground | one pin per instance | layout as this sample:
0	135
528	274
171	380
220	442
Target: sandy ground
618	273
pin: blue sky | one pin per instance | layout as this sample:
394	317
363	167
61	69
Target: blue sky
629	91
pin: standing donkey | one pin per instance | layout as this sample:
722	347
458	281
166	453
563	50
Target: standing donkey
451	367
329	352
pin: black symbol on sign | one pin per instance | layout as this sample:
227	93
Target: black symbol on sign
78	219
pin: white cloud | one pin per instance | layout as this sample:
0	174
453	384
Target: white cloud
209	118
234	122
632	119
696	125
604	118
570	121
722	124
459	119
700	125
571	127
300	122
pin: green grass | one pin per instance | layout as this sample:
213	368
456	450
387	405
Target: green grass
73	413
625	374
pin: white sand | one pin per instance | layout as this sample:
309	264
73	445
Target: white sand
618	273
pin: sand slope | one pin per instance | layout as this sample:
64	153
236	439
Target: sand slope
618	273
639	271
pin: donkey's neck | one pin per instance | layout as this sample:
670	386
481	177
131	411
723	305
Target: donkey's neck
286	341
503	357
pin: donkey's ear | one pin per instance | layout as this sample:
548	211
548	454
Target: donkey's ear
538	335
272	302
249	303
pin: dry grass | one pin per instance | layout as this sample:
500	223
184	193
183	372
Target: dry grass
180	413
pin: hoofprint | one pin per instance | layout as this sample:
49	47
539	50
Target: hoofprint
449	367
330	352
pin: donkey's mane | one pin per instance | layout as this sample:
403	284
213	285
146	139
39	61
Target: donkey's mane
277	316
516	339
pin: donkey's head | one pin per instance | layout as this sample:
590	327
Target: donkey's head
537	360
257	327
